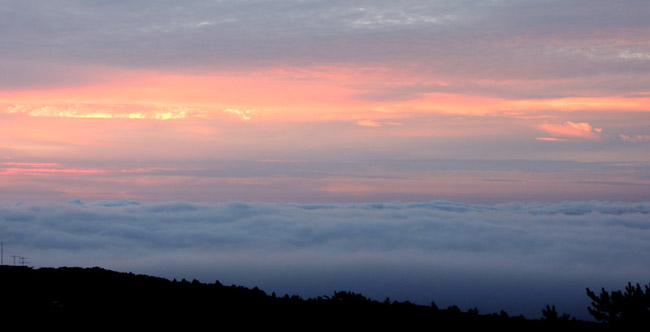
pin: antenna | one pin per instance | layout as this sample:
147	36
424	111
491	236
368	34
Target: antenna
23	260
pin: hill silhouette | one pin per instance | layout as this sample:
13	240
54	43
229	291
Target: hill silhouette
85	297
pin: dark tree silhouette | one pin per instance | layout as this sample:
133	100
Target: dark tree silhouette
549	314
618	308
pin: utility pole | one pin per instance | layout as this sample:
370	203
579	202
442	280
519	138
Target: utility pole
2	253
14	257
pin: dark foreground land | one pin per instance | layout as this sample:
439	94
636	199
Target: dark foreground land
98	298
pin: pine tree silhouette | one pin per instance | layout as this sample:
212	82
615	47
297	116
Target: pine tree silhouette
618	308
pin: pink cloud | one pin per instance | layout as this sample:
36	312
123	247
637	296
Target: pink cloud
637	138
43	168
146	170
349	188
51	170
30	164
553	139
280	161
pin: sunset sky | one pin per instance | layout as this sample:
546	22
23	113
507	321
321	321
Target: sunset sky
121	110
325	101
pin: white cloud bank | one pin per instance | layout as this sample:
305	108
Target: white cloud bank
518	257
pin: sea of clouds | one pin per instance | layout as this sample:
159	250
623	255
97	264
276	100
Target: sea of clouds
516	256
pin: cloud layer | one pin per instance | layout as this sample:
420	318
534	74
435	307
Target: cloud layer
514	256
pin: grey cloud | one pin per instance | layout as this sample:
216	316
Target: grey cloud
527	40
424	248
24	74
172	207
75	201
118	202
321	168
105	203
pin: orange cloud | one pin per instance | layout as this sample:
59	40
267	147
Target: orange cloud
281	95
326	93
568	129
243	114
612	103
368	123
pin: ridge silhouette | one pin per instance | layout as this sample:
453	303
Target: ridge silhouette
84	297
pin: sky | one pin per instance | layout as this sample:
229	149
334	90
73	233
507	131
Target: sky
325	101
326	104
